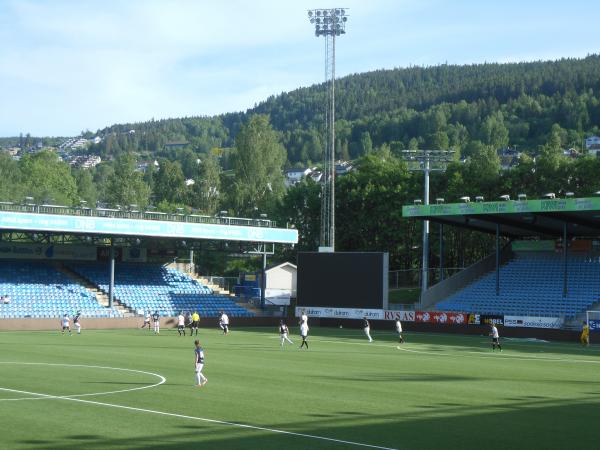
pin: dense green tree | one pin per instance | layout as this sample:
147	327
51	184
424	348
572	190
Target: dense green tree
369	206
169	182
257	163
206	193
11	186
48	179
86	190
126	185
366	143
301	208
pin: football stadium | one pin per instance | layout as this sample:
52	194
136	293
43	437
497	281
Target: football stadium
109	383
208	274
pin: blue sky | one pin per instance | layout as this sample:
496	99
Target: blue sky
68	66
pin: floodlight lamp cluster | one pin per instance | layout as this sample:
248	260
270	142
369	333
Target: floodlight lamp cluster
431	155
328	22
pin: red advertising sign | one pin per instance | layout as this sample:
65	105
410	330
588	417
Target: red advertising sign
448	318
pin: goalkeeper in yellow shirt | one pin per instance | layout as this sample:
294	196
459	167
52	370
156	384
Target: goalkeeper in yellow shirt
585	334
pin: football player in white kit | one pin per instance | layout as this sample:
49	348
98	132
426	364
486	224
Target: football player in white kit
303	318
399	331
147	320
495	337
367	328
224	322
181	324
66	324
304	334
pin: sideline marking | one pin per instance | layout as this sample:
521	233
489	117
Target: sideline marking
160	377
202	419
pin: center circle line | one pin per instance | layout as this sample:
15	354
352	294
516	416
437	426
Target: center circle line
162	380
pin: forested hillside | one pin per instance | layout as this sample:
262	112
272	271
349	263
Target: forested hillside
443	106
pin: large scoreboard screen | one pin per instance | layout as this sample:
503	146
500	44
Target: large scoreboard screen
343	280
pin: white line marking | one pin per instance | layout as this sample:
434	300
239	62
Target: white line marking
160	377
202	419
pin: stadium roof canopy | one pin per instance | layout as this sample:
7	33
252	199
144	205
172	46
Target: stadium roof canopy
115	223
517	218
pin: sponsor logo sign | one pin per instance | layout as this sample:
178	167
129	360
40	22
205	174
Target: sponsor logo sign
449	318
488	319
47	251
594	325
355	313
532	322
474	319
403	316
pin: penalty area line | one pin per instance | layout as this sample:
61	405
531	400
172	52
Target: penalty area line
201	419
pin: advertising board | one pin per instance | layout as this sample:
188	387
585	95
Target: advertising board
533	322
355	313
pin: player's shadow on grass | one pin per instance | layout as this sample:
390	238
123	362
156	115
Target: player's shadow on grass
519	425
115	382
418	377
84	437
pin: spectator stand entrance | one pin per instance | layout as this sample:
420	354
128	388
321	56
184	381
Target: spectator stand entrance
87	243
537	276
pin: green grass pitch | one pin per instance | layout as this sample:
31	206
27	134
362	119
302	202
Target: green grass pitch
129	389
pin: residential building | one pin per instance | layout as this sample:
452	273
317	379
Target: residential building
509	158
293	176
592	142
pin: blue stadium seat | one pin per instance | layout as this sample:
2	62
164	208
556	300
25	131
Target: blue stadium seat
36	289
532	284
153	287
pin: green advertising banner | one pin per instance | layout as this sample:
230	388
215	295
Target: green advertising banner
503	207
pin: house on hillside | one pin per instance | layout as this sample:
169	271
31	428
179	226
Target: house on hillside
592	142
142	166
343	167
85	161
316	176
571	153
592	145
293	176
509	158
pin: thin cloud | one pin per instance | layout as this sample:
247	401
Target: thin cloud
68	66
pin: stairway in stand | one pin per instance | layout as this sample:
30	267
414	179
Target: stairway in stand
101	296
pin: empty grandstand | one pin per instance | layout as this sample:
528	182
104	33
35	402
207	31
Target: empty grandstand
532	285
38	290
143	287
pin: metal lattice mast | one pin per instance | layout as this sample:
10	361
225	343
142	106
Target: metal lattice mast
329	23
426	161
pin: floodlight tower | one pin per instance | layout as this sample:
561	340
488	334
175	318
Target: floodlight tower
329	23
426	161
